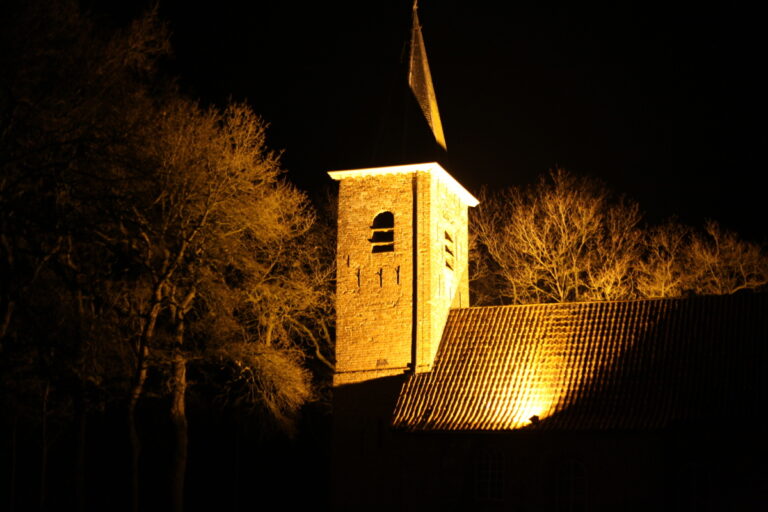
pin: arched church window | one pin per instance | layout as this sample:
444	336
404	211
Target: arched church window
383	237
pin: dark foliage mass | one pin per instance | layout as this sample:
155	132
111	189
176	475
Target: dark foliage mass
152	258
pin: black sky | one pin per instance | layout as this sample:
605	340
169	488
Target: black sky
664	104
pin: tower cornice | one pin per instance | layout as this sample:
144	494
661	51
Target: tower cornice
432	168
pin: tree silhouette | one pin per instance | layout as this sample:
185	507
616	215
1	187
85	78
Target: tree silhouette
564	240
569	239
142	234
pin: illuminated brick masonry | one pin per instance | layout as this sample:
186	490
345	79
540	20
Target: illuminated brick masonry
396	223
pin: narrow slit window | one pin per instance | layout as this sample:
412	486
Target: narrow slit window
383	233
449	250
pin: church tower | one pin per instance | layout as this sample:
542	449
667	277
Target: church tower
402	261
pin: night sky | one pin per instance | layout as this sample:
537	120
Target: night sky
665	105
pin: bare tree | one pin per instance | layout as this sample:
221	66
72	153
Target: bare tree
161	234
663	269
566	239
719	262
71	102
282	315
678	260
209	219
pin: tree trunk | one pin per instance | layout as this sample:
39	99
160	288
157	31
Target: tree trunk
80	456
179	417
12	463
81	409
6	322
137	388
44	449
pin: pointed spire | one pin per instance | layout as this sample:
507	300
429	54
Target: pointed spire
420	80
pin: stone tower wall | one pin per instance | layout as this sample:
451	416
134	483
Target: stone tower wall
374	291
448	285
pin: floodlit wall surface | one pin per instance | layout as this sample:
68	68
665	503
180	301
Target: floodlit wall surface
446	263
373	290
375	307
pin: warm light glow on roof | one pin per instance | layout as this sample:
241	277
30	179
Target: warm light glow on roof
599	365
539	396
432	168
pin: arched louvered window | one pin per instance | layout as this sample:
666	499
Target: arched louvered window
383	236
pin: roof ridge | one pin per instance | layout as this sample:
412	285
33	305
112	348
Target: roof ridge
731	296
